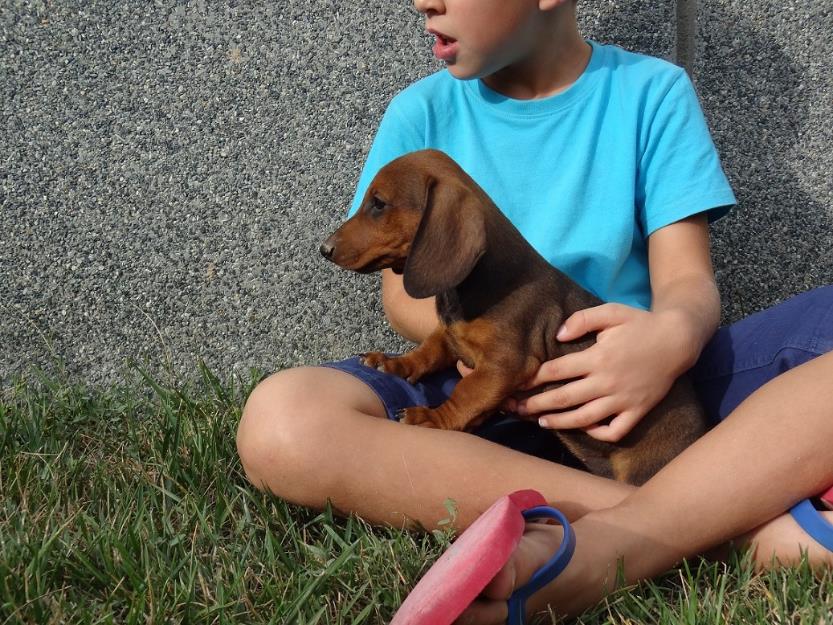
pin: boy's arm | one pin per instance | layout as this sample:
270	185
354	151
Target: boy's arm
411	318
683	285
685	299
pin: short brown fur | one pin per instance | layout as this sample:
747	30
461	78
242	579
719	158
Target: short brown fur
500	305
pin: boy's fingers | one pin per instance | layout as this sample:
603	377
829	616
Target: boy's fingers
568	396
593	320
565	367
583	417
617	429
463	369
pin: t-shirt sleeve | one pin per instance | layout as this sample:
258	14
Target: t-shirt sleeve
398	134
679	169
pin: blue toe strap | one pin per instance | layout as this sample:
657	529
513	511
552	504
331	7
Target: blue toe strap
548	572
812	522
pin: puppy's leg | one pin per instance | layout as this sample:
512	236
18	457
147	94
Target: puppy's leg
475	396
431	355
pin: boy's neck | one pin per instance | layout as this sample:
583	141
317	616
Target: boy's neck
552	66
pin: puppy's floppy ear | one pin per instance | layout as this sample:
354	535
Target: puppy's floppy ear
450	239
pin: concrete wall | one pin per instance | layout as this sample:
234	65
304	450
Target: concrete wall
764	71
168	169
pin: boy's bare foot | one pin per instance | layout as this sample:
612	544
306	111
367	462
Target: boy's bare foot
591	573
579	586
537	545
784	538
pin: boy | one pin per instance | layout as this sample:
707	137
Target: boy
603	160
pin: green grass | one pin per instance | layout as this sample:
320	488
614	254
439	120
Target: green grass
128	505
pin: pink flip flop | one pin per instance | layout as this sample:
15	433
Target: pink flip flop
827	498
462	572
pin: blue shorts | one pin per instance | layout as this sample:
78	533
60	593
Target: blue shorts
739	359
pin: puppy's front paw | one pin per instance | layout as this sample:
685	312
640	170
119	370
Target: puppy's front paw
417	415
375	360
398	365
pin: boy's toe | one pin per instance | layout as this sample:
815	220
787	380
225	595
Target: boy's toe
538	544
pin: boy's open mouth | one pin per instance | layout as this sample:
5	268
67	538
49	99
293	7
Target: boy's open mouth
444	39
445	48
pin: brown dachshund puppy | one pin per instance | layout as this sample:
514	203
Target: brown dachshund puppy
500	305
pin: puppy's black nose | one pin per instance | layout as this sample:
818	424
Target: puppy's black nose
327	249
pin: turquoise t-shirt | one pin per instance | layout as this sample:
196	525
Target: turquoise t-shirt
585	175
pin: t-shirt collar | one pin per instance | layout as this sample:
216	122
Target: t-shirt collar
502	104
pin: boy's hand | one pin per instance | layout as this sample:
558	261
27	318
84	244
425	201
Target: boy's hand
636	358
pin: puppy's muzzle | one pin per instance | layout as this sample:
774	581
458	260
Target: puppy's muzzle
327	249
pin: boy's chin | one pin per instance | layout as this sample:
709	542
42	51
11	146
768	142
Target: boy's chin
460	72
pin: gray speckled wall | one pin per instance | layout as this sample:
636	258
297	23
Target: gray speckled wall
764	73
168	169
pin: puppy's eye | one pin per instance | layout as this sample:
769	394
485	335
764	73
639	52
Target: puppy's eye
377	205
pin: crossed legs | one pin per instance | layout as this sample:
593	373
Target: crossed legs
313	434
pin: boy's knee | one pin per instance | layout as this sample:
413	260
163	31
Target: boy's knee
270	442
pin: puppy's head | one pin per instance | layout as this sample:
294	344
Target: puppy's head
379	235
419	216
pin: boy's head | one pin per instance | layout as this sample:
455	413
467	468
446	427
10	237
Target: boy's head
477	38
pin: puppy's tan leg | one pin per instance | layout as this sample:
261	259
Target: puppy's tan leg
433	354
476	395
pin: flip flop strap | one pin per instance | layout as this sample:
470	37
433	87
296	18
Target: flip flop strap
548	572
812	522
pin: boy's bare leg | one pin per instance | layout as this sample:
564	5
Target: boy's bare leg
312	434
773	451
